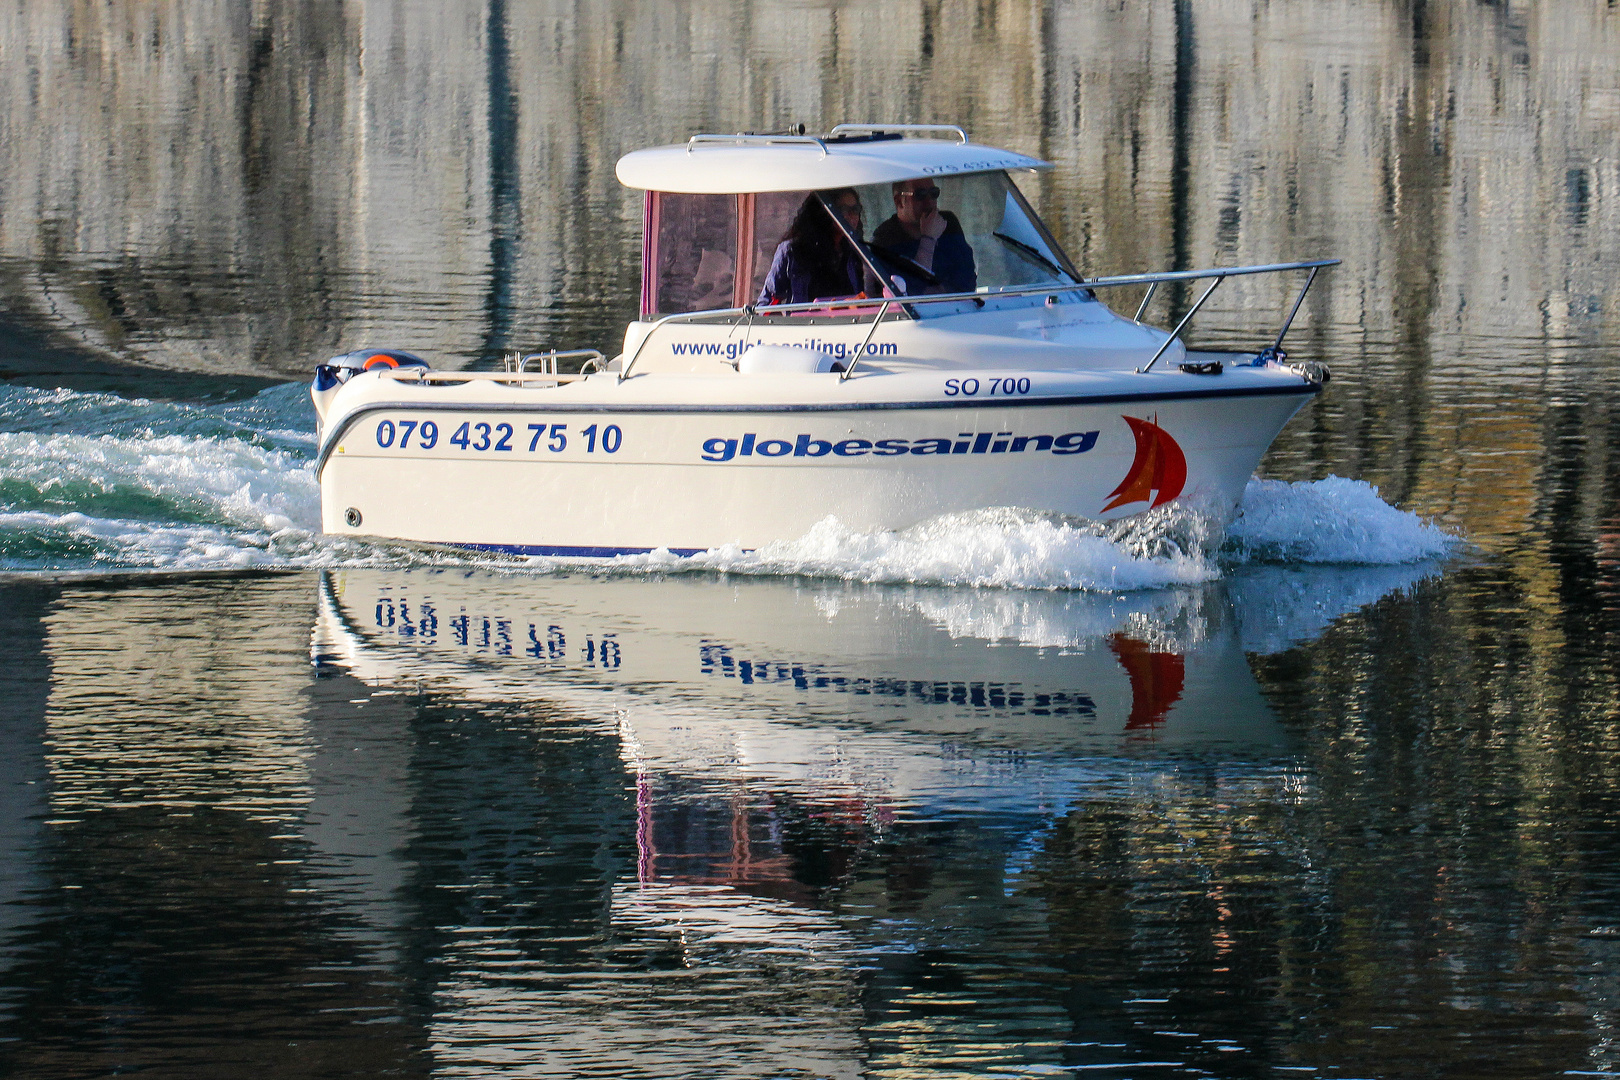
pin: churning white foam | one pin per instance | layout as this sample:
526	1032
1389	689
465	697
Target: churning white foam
1000	547
227	481
96	481
1329	521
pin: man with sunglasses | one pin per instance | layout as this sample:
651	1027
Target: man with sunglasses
929	237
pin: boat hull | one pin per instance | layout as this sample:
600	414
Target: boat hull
586	475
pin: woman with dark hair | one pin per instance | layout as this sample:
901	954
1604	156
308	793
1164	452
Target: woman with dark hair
815	261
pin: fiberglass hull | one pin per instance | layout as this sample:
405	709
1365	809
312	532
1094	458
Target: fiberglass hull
600	467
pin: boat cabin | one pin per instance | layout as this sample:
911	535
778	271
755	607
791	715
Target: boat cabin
719	207
815	243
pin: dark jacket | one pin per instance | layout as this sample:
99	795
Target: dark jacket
953	255
794	280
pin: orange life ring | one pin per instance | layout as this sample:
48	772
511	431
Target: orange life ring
378	360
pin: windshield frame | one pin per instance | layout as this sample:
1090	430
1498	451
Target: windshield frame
1064	262
863	250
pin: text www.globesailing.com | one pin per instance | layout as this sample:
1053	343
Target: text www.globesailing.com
731	350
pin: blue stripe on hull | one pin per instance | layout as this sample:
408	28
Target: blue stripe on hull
572	552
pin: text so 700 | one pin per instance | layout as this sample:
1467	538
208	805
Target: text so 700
997	387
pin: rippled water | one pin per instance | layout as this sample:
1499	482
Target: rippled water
1328	790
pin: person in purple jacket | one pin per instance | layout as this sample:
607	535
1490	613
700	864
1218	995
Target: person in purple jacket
815	261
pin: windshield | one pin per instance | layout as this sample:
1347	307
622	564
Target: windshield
950	234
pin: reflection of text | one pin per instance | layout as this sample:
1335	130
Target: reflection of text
498	636
716	659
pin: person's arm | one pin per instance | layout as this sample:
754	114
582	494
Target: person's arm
933	227
778	287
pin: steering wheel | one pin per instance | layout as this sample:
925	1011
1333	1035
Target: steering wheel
910	266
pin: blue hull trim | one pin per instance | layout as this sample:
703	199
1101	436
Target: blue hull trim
572	552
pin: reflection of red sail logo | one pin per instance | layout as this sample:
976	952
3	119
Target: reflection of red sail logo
1157	679
1160	467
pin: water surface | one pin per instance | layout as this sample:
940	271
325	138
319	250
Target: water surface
1332	793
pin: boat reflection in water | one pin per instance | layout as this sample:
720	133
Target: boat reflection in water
778	677
775	735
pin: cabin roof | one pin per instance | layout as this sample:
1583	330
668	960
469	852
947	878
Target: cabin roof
735	164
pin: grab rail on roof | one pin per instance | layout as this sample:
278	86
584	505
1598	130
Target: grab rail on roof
880	129
1220	274
743	138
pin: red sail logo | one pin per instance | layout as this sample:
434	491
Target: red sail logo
1159	472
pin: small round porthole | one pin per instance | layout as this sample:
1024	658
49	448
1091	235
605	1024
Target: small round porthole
351	518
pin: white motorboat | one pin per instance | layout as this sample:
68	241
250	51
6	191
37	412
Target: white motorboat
956	361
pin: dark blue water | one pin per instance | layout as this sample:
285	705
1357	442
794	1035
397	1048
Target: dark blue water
1328	793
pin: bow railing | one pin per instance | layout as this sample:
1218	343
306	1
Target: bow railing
883	304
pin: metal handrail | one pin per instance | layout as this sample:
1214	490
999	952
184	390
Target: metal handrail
1115	281
860	350
1276	346
879	129
1147	298
1195	275
550	357
428	375
1185	319
745	139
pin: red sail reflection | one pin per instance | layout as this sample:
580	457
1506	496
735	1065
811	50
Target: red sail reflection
1157	679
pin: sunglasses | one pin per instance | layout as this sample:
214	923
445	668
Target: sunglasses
923	193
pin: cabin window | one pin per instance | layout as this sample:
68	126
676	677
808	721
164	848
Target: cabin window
711	252
696	252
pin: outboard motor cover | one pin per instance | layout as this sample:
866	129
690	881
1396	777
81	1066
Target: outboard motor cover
340	369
